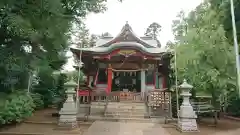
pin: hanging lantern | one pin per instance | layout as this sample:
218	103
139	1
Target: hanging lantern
117	81
134	81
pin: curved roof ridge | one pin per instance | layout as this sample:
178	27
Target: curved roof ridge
132	45
126	27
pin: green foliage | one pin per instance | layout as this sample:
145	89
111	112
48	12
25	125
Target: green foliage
50	87
153	31
222	7
17	107
34	37
204	56
37	100
174	104
35	33
45	87
233	102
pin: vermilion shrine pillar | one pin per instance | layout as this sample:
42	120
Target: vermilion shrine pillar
109	79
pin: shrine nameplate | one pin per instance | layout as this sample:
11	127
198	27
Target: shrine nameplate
127	52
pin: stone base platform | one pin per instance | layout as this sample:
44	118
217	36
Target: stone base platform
125	128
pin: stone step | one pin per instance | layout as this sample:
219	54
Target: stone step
122	109
127	106
121	104
107	112
94	118
159	120
124	113
119	119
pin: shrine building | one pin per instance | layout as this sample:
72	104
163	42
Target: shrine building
125	63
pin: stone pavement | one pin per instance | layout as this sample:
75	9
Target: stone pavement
230	132
125	128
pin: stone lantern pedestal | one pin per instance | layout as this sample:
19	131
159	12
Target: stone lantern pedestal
187	117
68	114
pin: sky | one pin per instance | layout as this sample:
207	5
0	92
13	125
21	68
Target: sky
139	14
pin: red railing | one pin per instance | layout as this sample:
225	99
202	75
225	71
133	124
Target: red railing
91	96
86	96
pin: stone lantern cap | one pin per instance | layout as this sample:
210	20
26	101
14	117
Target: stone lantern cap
185	85
56	73
70	83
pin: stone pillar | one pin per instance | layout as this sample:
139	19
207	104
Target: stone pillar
68	114
143	82
90	81
187	117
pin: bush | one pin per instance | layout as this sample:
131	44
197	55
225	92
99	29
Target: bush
233	107
174	104
37	100
51	88
16	108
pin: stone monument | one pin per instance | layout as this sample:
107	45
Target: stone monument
187	117
68	114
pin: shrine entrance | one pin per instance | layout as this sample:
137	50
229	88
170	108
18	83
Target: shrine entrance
126	82
128	85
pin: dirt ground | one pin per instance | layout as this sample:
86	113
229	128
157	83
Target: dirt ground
206	127
42	122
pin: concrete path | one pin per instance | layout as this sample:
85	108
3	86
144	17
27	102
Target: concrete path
125	128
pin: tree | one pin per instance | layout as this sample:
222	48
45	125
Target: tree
81	36
36	31
153	31
179	27
34	36
169	45
106	34
224	13
203	52
93	40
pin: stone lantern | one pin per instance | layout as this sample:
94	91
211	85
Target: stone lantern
187	117
68	114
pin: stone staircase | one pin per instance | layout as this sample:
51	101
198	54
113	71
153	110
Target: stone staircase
125	111
116	111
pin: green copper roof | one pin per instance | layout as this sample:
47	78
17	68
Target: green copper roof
127	39
118	45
